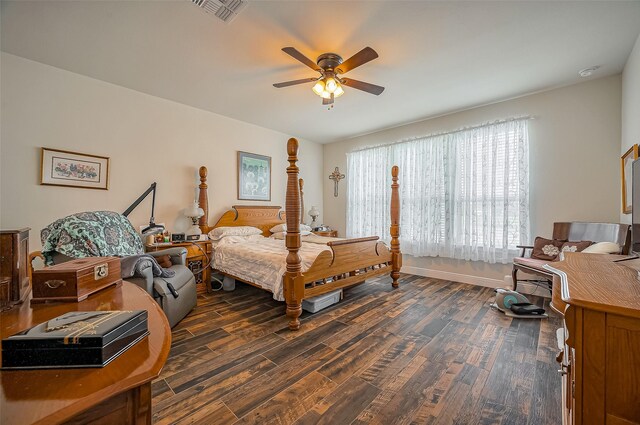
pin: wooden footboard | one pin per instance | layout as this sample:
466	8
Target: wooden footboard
348	263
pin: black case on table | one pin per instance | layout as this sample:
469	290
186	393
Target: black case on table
75	339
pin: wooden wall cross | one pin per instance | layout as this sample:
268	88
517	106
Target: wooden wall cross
336	177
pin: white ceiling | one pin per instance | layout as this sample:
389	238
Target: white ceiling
435	57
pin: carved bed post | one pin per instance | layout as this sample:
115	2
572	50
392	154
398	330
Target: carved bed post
203	200
293	283
396	255
301	181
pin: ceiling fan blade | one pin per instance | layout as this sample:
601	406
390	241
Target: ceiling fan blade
361	85
363	56
291	51
294	82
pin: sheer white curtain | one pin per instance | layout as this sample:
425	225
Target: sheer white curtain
463	194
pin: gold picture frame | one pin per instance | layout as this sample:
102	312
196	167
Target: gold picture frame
626	162
73	169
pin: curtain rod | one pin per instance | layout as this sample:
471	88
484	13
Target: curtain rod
473	127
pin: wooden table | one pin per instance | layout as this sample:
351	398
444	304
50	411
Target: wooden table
119	393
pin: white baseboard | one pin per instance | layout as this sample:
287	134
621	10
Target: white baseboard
455	277
523	287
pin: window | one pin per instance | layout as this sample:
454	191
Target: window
463	194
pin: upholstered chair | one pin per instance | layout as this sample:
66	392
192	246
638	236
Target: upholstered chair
568	232
106	233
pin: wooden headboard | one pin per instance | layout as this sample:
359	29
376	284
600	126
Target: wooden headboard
264	217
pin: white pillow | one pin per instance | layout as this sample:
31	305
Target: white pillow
278	228
283	228
220	232
281	235
603	248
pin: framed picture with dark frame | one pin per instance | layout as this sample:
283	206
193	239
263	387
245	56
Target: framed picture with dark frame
626	162
254	177
74	169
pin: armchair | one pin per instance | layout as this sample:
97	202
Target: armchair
106	233
563	232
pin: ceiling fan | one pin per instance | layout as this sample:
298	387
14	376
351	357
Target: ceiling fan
330	65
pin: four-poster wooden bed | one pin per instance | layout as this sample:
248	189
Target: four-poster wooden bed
346	263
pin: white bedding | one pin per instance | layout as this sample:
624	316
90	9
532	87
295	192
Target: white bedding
261	260
312	238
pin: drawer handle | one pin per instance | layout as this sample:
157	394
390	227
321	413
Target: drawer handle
562	372
55	283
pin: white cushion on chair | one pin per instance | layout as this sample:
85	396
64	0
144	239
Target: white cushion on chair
603	248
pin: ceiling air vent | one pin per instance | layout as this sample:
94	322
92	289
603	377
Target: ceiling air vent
226	10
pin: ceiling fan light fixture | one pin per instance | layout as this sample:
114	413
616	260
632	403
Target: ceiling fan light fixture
331	84
318	88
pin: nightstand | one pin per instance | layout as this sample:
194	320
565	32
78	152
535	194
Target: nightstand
196	258
330	233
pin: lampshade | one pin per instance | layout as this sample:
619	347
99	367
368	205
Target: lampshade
338	91
318	88
194	211
331	85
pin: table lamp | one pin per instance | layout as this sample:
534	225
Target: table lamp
314	213
194	212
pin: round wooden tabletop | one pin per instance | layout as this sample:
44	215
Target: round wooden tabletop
56	395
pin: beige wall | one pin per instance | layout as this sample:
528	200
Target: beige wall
147	138
630	107
574	163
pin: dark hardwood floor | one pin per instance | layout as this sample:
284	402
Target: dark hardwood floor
430	352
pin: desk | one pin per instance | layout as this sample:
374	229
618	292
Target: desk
118	393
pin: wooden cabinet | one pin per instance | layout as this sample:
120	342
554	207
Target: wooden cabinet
14	277
600	363
198	258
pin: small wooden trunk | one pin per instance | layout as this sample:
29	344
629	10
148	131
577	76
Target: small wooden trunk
75	280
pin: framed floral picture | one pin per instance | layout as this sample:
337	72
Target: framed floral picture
254	177
73	169
626	164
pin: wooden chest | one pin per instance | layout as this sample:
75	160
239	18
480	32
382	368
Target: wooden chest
14	278
75	280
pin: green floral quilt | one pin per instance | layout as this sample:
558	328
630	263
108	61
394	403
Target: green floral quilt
91	234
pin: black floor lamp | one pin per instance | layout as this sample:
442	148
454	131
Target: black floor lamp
153	228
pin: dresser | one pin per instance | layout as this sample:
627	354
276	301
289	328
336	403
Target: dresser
14	254
198	258
600	341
